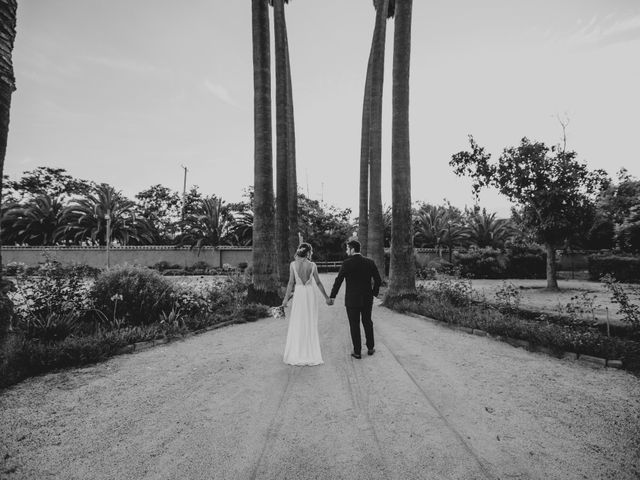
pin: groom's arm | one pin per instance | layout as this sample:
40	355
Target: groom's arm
338	282
377	281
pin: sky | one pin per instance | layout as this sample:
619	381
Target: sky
128	92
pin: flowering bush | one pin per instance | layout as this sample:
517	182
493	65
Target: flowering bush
46	306
508	297
458	292
191	298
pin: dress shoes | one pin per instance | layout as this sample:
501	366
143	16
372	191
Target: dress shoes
371	352
356	355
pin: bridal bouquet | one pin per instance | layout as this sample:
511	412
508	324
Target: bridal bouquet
277	312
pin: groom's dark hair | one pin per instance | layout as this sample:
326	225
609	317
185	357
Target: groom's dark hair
354	244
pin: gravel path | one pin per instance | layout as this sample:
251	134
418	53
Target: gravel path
431	403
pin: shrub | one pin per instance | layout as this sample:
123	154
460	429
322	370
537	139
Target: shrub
199	267
482	263
164	265
6	307
457	292
623	268
526	265
40	302
252	312
137	294
175	272
228	295
15	268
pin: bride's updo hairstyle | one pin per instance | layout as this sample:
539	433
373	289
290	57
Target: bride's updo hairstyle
304	249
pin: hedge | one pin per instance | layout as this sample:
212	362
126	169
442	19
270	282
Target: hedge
623	268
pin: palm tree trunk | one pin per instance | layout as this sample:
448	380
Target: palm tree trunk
282	163
552	277
264	287
375	240
363	207
402	280
292	181
8	9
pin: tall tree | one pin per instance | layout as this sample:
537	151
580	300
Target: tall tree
8	9
162	207
555	192
264	287
402	271
54	182
286	182
375	227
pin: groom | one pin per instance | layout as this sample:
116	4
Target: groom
359	272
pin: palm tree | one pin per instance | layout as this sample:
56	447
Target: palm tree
375	233
439	227
242	229
403	266
36	223
429	225
286	182
8	9
105	213
210	224
264	288
485	230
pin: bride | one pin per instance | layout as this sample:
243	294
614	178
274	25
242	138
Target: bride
303	342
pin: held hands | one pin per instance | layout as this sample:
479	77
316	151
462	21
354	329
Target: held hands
330	301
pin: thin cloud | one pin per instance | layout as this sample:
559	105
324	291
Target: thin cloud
122	64
599	33
219	92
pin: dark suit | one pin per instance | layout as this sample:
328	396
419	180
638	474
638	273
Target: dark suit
359	272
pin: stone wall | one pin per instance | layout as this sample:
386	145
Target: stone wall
144	255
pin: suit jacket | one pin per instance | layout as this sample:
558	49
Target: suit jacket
359	272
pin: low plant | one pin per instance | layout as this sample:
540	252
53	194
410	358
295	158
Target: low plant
508	297
581	307
52	326
629	310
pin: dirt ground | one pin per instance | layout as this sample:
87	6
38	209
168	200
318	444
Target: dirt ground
534	295
430	403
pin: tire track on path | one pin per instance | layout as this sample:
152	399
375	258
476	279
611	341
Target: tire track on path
276	420
360	403
465	445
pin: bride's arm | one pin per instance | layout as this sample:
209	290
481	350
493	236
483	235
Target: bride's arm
290	286
318	282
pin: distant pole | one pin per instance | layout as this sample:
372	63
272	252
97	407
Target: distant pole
184	192
108	234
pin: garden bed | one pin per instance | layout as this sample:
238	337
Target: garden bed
456	303
64	319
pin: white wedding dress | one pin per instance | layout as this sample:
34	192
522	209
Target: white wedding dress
303	341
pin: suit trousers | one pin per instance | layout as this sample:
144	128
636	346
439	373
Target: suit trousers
355	315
